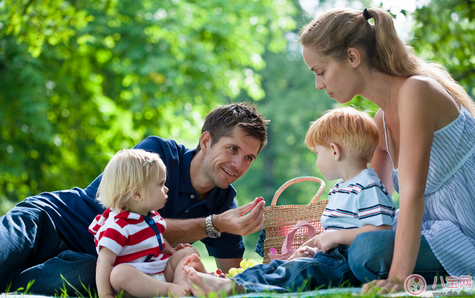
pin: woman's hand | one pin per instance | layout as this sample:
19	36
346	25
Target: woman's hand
383	286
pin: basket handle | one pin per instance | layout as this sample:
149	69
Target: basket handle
297	180
289	239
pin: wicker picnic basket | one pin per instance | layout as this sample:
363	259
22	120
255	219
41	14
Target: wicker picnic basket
279	221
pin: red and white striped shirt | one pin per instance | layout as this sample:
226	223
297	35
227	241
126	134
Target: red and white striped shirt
131	238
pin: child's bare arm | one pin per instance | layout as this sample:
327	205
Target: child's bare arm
105	261
168	249
346	237
327	241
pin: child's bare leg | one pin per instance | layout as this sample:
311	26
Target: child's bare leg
194	261
138	284
174	269
204	284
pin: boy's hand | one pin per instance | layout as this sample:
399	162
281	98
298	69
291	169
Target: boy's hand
326	241
181	246
304	252
178	247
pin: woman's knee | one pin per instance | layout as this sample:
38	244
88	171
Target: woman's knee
370	254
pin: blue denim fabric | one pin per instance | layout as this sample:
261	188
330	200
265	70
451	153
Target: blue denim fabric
259	249
302	274
370	256
31	249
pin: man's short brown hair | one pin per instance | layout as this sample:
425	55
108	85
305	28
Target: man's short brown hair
221	122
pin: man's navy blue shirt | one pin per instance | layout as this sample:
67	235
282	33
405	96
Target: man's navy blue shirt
73	210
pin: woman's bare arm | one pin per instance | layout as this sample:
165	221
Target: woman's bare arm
417	117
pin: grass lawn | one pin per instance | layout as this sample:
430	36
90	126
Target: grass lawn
210	263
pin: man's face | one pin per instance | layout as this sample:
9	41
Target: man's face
230	158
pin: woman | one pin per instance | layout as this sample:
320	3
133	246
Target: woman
427	144
427	138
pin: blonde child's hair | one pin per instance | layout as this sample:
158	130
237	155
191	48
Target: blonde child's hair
127	172
354	130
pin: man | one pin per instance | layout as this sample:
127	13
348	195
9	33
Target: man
45	237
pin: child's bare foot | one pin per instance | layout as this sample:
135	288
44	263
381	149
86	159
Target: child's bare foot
194	261
204	284
175	290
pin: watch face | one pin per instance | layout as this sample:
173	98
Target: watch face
212	234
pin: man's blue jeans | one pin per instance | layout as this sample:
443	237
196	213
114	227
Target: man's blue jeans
302	274
31	249
370	256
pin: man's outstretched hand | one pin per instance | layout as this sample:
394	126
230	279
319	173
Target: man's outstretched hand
243	220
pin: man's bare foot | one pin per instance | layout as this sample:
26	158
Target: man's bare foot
204	284
194	261
175	290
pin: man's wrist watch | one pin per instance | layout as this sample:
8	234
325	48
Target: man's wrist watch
210	230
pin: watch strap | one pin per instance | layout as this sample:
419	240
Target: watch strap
210	230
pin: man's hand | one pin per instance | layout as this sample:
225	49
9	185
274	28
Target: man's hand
236	221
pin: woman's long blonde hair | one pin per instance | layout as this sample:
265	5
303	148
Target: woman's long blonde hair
334	32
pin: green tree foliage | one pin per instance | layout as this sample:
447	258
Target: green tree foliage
82	79
445	33
291	102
